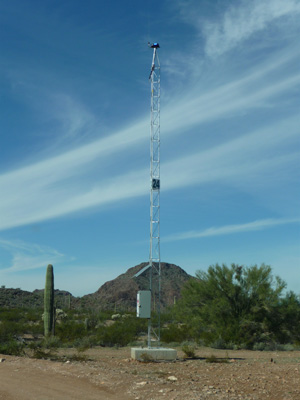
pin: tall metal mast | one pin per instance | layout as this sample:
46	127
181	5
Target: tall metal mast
154	258
145	298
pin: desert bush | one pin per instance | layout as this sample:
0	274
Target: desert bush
259	346
271	346
121	332
175	333
189	349
46	349
12	314
12	347
287	347
118	334
82	345
33	315
213	359
51	342
146	358
68	331
15	322
9	329
218	344
42	354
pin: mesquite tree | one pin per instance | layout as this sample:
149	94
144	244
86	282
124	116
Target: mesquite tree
240	305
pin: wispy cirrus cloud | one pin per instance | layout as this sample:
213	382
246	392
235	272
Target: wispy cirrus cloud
245	19
232	229
237	96
67	182
240	159
61	186
74	120
26	256
72	180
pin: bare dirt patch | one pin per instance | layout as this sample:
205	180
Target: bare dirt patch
112	374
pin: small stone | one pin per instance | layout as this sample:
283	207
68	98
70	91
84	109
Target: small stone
172	378
142	383
2	359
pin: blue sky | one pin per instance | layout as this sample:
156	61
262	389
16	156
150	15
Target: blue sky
75	123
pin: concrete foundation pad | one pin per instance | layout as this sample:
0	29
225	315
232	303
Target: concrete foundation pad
159	353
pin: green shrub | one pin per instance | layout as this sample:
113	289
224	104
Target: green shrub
287	347
174	333
214	359
51	342
82	345
146	358
13	314
118	334
43	354
219	344
12	348
189	350
45	349
68	331
272	346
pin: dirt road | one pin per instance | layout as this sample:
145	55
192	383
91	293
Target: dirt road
110	374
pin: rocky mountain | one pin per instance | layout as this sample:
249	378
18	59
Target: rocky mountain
120	293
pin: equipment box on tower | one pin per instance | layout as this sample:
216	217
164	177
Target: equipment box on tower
143	304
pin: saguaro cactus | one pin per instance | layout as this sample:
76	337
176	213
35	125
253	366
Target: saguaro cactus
49	301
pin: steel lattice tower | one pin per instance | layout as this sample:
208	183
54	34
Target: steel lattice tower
155	162
154	257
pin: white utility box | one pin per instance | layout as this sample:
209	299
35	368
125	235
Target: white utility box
143	304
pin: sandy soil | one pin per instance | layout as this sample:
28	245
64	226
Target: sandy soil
111	374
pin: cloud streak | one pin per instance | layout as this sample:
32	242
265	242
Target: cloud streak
241	22
48	194
225	101
82	177
232	229
27	256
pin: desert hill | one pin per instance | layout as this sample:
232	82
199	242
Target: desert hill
118	294
15	298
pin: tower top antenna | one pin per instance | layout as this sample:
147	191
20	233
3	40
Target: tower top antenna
154	45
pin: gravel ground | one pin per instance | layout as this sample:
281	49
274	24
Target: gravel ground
112	374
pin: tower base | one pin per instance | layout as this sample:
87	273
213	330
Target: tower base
153	354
